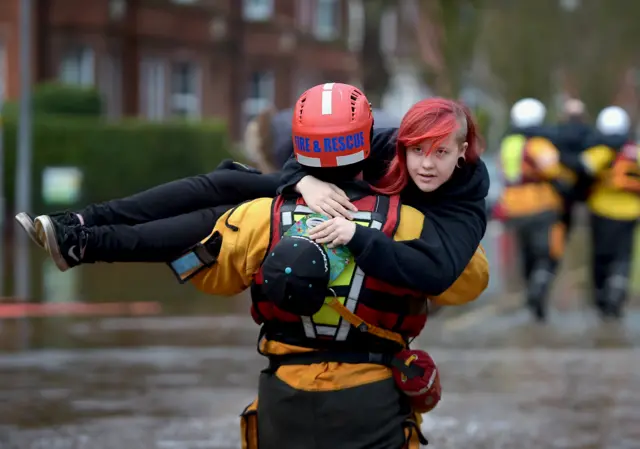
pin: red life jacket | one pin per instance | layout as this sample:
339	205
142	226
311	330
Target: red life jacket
396	309
625	169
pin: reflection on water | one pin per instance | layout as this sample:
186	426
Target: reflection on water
114	283
135	332
97	283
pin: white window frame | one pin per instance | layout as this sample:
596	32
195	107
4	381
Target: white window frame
356	23
77	66
257	10
255	104
190	102
153	88
327	31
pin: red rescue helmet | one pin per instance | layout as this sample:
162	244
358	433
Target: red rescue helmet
331	126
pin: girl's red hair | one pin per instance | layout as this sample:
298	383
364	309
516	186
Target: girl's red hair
432	118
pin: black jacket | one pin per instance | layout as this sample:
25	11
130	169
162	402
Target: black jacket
455	222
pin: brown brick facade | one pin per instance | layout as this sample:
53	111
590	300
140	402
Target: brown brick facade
152	57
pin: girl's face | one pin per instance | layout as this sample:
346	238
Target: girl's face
430	171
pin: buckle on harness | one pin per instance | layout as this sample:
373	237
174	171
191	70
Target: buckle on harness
408	369
200	256
380	358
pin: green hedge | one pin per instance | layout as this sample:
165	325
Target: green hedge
61	99
116	158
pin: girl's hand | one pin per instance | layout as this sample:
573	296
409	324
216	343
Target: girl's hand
325	198
335	232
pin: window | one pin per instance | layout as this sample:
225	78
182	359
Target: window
356	25
110	82
152	88
304	14
185	90
257	9
327	15
389	31
117	9
260	94
77	67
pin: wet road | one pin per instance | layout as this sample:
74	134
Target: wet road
179	382
573	383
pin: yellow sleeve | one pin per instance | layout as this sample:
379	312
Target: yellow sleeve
547	159
242	251
597	159
471	283
473	280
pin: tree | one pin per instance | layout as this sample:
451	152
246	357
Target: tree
600	47
518	38
542	48
447	31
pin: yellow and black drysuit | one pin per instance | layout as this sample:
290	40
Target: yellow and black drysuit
532	206
328	404
614	206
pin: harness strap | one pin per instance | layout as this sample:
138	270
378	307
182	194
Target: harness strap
363	326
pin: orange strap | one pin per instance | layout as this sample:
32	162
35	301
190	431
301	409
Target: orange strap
362	325
625	175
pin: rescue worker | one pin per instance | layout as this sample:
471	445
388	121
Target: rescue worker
336	337
570	139
612	160
530	202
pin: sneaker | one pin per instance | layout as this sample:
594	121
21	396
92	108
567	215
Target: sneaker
65	244
27	222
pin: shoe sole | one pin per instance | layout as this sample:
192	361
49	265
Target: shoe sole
44	226
26	223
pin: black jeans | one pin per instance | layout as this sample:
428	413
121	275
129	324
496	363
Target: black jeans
539	263
612	252
158	224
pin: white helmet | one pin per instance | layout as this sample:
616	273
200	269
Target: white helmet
613	120
528	112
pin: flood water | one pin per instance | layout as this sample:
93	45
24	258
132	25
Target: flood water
178	379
